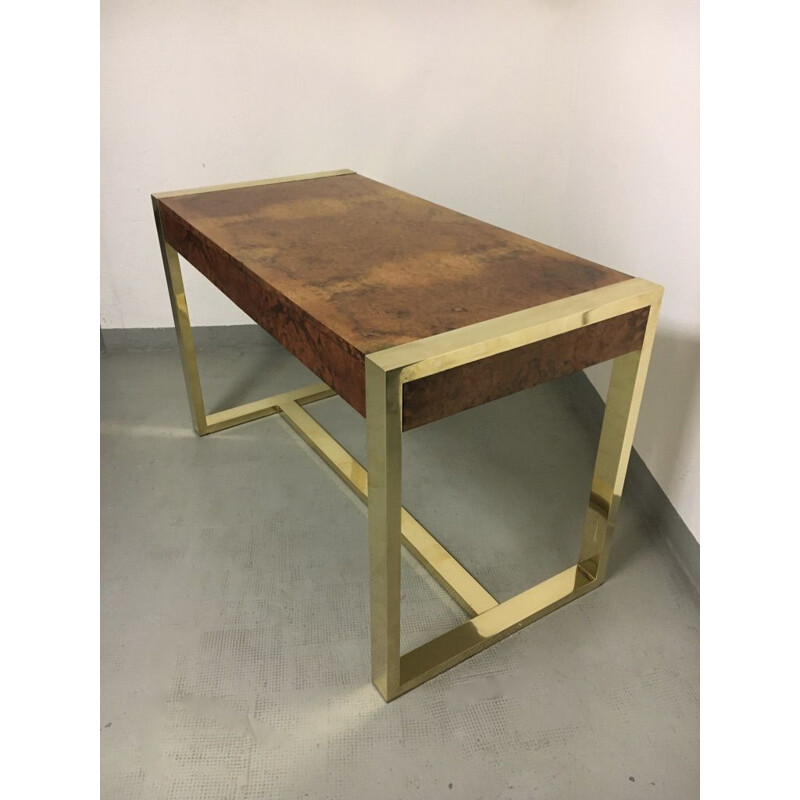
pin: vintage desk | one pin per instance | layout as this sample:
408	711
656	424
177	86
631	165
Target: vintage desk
412	312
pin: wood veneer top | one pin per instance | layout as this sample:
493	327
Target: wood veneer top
375	266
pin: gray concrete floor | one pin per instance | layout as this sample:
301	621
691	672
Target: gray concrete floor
235	608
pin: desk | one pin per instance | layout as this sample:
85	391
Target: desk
412	312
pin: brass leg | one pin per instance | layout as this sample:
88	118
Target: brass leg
616	439
384	432
395	674
211	423
183	329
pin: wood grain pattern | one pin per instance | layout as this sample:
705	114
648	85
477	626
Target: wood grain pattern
339	267
446	393
326	355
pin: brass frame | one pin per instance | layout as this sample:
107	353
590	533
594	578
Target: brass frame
390	525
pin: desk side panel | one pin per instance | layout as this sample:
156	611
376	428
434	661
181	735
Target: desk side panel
446	393
328	357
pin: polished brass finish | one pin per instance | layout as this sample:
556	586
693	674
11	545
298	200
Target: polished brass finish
211	423
269	405
390	525
613	452
479	633
388	370
460	346
222	187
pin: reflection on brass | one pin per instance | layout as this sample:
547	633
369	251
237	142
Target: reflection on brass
390	525
388	370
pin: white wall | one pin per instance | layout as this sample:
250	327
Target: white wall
574	122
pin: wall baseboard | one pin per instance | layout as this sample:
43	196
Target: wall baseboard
642	487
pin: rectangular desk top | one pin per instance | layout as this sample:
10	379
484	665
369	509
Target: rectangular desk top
342	266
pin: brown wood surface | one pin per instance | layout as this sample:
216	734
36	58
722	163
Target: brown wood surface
339	267
446	393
